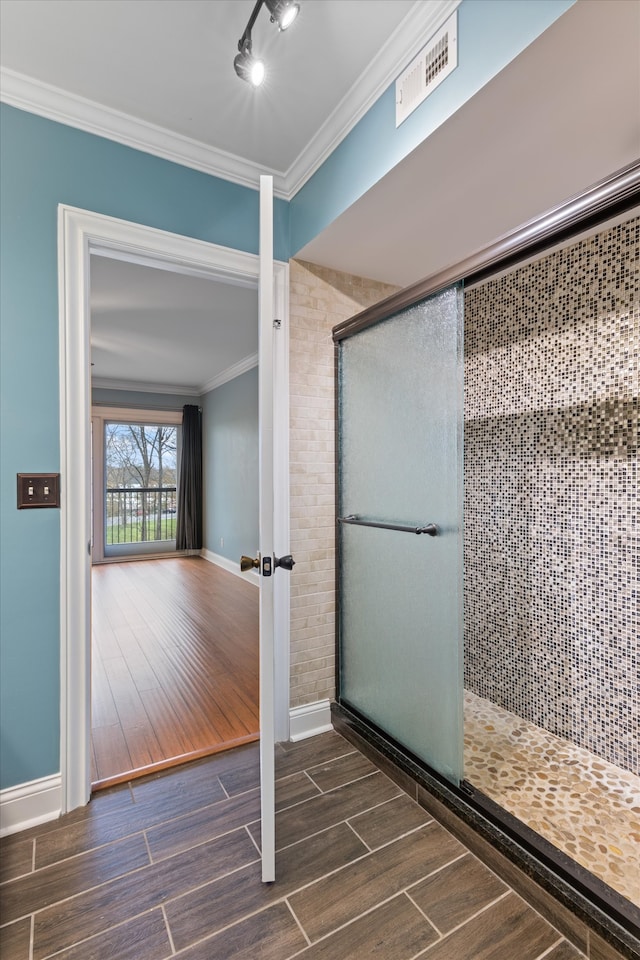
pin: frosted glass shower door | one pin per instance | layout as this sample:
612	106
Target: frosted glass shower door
400	471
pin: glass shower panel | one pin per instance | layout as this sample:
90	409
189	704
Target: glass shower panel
400	463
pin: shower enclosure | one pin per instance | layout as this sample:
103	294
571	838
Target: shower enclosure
551	688
552	703
400	526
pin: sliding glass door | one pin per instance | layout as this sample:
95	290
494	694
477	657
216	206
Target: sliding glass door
400	527
135	468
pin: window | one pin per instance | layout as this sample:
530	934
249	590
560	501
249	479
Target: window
134	482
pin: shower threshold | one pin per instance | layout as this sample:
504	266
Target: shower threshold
569	895
583	805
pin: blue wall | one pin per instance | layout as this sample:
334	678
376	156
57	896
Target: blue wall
230	440
43	164
491	33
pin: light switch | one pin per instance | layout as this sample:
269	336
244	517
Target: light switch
38	490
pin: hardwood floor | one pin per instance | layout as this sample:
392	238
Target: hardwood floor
175	668
168	866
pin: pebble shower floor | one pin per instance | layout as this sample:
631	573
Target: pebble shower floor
585	806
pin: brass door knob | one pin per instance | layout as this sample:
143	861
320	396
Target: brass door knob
248	563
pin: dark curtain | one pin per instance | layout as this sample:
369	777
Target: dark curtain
189	516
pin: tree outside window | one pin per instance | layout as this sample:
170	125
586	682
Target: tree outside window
141	470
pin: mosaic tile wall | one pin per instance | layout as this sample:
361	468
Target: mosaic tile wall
319	298
552	534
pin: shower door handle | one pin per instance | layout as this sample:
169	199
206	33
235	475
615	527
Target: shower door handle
430	529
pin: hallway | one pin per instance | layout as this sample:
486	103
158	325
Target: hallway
169	866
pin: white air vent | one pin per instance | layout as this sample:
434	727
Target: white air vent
428	69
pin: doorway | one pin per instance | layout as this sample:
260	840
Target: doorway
174	668
83	234
175	665
169	683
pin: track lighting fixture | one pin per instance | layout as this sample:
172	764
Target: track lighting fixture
283	12
248	67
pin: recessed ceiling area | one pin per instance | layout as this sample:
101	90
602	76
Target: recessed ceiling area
543	130
157	330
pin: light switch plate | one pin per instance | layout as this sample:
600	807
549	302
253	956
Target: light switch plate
38	490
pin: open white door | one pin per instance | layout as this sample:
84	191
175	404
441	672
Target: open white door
273	710
267	672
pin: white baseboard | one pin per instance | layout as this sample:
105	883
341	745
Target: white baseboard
29	804
252	576
309	720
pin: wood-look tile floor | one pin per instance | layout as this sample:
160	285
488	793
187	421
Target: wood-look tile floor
168	866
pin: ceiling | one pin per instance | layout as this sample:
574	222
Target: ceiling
545	128
169	63
170	332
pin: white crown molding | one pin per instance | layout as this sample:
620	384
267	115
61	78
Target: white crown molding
409	37
104	383
235	370
34	96
422	21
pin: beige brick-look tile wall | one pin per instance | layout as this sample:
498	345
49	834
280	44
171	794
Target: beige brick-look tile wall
318	299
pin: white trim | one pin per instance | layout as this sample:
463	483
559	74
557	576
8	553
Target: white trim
235	370
266	533
75	507
135	386
82	234
135	414
405	42
251	576
130	242
54	103
310	719
281	504
29	804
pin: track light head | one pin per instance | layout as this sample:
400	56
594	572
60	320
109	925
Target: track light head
283	12
247	66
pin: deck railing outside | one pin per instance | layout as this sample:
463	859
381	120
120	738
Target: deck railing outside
140	514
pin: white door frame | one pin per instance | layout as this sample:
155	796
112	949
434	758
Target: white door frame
82	233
